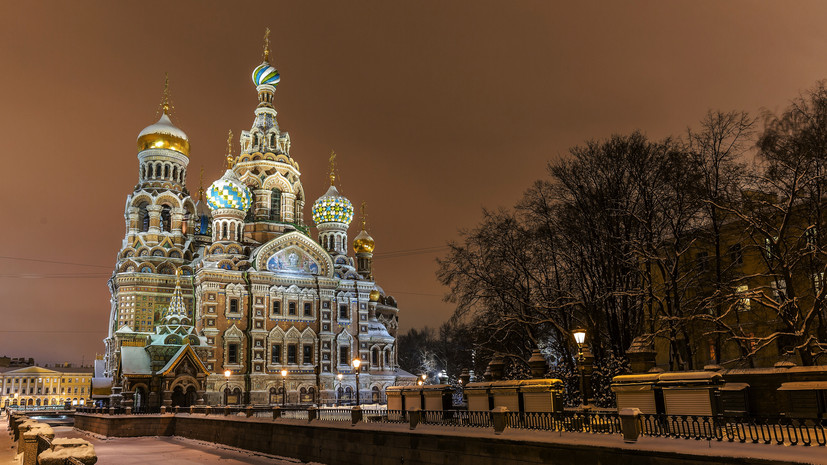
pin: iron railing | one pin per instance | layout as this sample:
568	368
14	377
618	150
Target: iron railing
766	430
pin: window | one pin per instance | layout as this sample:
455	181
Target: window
291	308
291	353
275	205
308	309
307	354
276	308
233	305
779	290
232	353
736	255
811	237
818	282
743	302
275	353
344	355
166	218
769	248
343	312
375	356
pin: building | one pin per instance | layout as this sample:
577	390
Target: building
236	283
36	386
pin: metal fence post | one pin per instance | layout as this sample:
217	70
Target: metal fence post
355	415
276	412
312	413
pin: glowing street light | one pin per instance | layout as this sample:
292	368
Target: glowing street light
580	339
338	399
227	374
356	364
283	387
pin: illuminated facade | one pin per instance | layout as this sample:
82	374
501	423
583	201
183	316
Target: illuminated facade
35	386
257	292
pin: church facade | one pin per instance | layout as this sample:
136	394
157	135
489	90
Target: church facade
214	298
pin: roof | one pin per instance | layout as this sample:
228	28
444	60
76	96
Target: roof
135	361
179	355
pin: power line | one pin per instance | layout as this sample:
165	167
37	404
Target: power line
22	259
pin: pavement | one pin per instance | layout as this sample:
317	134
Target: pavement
8	448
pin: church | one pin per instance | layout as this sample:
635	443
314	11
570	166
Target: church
228	298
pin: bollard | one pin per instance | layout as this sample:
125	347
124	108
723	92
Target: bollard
207	410
415	417
276	413
312	413
226	411
629	424
355	415
499	417
249	411
128	410
163	409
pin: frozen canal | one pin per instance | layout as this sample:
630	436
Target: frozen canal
172	450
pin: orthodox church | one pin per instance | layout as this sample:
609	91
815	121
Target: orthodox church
212	300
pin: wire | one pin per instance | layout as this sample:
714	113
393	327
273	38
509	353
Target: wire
51	261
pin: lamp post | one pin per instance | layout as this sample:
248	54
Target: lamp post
283	387
580	339
356	364
227	374
424	378
338	399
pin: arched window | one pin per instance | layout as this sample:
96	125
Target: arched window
375	356
143	217
175	173
166	218
275	205
166	171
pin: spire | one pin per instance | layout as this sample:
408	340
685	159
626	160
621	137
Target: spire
332	167
177	308
230	158
267	45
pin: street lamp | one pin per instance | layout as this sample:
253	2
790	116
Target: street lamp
356	364
424	378
580	339
283	387
227	374
338	399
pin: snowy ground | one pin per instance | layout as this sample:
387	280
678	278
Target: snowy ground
180	451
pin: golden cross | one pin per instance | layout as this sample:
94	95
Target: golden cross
332	167
230	149
165	105
364	215
267	45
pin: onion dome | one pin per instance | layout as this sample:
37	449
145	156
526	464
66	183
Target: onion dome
363	243
374	295
266	74
163	134
229	192
332	207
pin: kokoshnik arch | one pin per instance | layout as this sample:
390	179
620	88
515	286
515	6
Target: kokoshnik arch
234	281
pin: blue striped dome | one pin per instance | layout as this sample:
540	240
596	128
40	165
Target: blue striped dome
229	192
265	73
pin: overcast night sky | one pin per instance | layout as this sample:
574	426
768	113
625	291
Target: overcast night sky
436	109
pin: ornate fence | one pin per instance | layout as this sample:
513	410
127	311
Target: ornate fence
782	430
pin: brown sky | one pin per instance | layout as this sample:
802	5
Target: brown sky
435	108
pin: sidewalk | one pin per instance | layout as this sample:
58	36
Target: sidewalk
8	449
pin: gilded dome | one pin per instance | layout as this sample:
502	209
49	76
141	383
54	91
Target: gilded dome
229	192
164	135
332	207
374	295
363	243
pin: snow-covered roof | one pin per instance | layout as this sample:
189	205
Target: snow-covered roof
135	361
163	126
